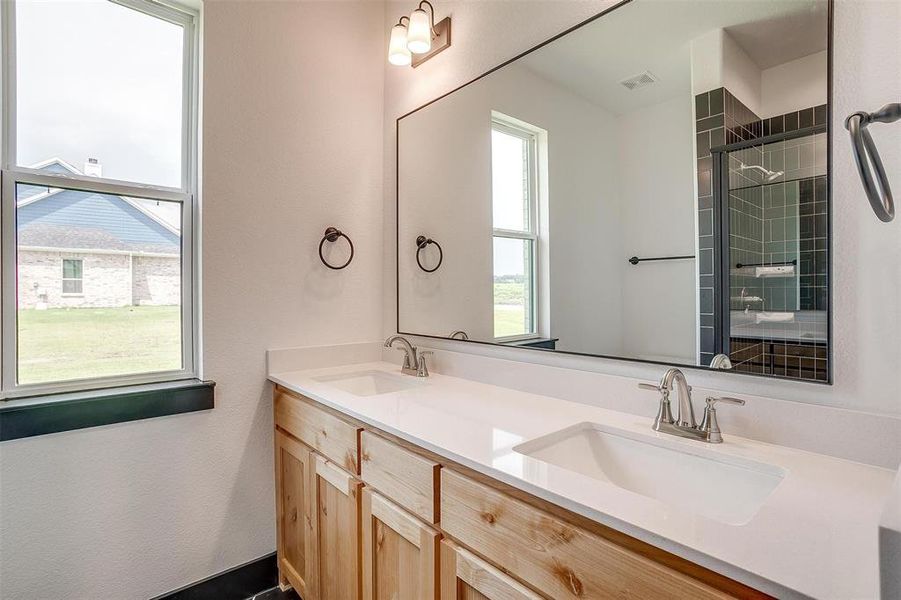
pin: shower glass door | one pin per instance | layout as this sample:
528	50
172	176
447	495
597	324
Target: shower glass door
774	247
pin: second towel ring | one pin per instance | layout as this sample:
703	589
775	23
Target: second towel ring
421	243
865	154
331	235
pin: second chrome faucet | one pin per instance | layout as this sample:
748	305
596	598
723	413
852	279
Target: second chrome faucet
414	360
684	424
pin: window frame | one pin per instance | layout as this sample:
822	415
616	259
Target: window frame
79	279
530	234
186	195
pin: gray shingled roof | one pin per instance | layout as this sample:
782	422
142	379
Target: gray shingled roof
47	235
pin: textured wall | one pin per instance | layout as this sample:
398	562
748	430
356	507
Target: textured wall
292	143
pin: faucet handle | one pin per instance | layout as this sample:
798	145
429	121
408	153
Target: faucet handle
709	424
664	412
423	369
711	402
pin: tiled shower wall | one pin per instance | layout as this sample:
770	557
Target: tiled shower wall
772	223
720	119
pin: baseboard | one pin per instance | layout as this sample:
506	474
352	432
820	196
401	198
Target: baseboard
237	583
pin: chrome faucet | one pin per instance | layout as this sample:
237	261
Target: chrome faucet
684	424
721	361
414	360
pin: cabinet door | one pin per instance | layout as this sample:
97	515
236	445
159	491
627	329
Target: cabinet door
293	504
335	556
400	553
467	577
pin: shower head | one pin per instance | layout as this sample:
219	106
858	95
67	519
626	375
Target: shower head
770	175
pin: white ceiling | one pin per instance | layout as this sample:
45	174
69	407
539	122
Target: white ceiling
655	35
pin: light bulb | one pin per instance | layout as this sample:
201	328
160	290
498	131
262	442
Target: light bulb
398	54
419	32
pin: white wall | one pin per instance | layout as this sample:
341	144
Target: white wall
867	258
292	143
657	192
794	85
718	61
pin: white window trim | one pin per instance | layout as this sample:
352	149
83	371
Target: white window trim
512	127
64	279
187	195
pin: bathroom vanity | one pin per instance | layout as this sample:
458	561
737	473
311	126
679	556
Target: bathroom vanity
391	485
650	186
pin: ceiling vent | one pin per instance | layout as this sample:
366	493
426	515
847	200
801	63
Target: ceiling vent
639	81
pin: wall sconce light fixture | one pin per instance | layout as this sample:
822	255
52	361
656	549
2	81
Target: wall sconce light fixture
417	38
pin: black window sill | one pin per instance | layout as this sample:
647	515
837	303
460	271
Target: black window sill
40	415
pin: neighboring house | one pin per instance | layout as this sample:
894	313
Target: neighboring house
84	249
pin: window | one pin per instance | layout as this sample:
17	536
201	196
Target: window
99	179
72	278
514	193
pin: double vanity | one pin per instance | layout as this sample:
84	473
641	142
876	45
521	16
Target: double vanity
397	485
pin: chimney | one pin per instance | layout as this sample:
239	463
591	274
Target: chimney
93	168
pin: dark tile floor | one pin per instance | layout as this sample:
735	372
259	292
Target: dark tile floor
275	594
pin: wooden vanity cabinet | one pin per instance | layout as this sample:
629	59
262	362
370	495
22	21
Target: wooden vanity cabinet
335	556
418	527
294	523
464	576
552	555
400	553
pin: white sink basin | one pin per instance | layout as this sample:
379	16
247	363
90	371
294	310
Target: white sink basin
370	383
701	480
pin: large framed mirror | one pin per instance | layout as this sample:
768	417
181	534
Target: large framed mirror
651	185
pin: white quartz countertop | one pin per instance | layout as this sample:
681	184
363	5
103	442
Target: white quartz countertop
814	536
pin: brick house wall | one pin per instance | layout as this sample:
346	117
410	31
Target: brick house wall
156	281
108	280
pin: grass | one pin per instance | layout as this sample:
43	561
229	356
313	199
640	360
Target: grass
74	343
509	320
509	309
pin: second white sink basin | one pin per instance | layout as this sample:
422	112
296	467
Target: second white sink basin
715	485
370	383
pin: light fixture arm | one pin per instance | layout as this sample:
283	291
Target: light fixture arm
400	21
431	16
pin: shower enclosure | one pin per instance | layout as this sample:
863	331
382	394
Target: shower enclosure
772	219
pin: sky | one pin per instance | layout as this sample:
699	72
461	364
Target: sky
98	80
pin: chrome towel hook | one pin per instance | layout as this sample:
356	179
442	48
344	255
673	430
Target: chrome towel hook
865	155
331	235
421	243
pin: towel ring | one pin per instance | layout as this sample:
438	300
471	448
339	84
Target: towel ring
865	154
421	243
332	235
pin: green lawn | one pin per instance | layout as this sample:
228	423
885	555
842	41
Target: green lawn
509	308
509	320
61	344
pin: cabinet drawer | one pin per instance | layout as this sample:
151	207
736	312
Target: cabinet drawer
464	576
553	556
403	476
329	435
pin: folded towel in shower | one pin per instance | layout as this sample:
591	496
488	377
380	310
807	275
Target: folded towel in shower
775	317
775	271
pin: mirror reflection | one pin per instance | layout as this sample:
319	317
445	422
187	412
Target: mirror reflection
652	185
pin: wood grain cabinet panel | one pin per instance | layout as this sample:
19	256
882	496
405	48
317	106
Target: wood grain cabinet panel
335	555
403	476
400	553
331	436
293	504
464	576
549	554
